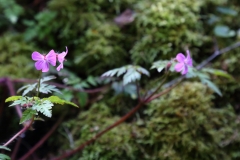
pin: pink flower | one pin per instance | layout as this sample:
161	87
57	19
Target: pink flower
43	61
61	58
183	63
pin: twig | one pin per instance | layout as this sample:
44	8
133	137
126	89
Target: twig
12	93
43	139
16	147
16	135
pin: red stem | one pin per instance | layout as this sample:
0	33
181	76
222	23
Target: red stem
16	135
43	139
12	93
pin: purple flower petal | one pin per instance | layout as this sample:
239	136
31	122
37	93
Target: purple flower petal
179	67
185	70
37	56
51	58
39	64
188	59
45	66
60	67
180	57
61	56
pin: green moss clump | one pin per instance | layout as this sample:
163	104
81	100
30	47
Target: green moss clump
15	57
114	145
182	125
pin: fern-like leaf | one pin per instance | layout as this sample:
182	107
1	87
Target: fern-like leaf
22	101
27	115
43	106
46	88
48	78
132	73
57	100
28	88
13	98
5	148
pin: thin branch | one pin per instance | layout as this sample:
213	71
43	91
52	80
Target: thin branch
13	93
26	125
16	135
16	147
31	151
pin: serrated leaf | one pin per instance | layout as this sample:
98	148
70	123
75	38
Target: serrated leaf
27	115
121	71
4	157
131	76
48	78
46	88
142	70
6	148
110	73
21	101
57	100
212	86
13	98
160	65
43	106
28	88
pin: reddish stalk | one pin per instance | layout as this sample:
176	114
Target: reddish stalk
46	136
16	147
26	126
12	93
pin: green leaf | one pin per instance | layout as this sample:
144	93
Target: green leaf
223	31
46	88
43	106
82	98
211	85
38	119
142	70
4	157
27	115
22	101
48	78
3	147
160	65
227	11
110	73
13	98
28	88
131	76
132	73
57	100
92	80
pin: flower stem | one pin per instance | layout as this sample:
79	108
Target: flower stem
38	85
